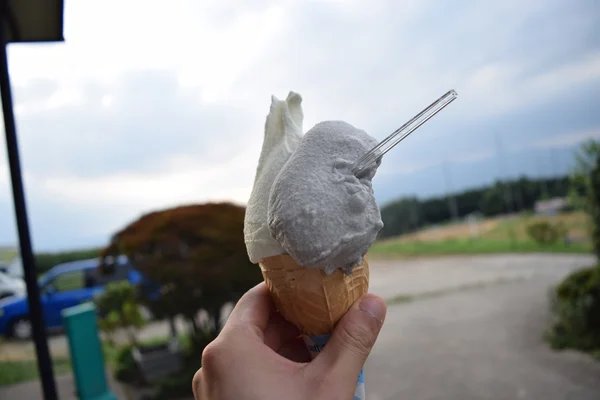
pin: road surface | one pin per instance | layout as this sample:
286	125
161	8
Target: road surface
484	342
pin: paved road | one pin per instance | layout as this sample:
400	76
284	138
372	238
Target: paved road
416	276
479	338
481	343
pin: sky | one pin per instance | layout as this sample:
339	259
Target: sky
145	106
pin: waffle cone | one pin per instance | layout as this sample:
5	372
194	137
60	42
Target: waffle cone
309	298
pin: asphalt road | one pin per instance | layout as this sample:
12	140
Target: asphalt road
480	341
462	328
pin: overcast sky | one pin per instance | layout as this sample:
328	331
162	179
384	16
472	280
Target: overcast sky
146	106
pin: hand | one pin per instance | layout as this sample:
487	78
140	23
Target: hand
260	356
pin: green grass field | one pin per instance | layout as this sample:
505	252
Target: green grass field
13	372
496	236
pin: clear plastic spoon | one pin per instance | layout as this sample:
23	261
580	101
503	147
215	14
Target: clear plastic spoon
401	133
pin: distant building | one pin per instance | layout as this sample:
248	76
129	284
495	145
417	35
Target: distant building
551	206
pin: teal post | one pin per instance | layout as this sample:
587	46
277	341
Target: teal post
87	358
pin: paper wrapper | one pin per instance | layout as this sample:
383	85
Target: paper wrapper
314	301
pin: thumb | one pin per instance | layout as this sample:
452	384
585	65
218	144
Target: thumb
352	340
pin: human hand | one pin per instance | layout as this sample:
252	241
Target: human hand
260	356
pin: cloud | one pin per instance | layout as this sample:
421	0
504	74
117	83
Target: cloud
167	105
567	140
407	169
136	122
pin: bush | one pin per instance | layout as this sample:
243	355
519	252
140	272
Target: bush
546	233
118	309
577	307
173	386
126	369
180	384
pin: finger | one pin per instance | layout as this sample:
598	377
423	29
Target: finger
252	310
196	384
279	331
295	350
352	339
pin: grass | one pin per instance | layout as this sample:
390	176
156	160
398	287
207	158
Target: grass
13	372
19	371
7	254
496	236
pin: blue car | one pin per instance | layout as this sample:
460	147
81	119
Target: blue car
64	286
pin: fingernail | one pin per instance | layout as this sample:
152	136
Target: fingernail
373	306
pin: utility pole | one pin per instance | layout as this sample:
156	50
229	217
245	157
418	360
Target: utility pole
453	207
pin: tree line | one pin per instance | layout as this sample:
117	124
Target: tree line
409	214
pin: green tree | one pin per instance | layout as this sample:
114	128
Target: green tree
585	187
119	309
492	202
580	179
577	298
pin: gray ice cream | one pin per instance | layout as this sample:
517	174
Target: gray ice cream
321	214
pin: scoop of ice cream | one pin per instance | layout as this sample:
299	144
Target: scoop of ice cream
283	131
320	213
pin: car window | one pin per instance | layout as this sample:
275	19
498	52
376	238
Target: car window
120	273
67	281
93	277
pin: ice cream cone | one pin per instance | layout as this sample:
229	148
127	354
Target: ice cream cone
309	298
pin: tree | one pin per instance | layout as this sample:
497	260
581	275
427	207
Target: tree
493	202
401	216
118	309
585	187
195	256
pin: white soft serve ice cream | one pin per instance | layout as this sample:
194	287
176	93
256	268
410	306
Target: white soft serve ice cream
322	214
305	201
283	131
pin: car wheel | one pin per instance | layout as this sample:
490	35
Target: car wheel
21	329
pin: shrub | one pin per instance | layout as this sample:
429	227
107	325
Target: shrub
546	233
179	385
118	309
126	369
577	308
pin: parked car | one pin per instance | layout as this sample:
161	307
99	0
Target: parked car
64	286
10	286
